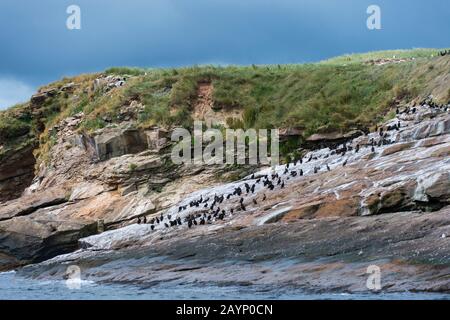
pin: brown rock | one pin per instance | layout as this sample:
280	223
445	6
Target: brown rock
396	148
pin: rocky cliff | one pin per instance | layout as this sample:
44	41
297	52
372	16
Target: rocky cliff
332	216
371	193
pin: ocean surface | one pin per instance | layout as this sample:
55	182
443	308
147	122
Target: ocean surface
14	287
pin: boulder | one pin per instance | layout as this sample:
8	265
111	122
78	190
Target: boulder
40	97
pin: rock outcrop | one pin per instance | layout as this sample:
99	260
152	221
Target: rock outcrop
16	172
341	206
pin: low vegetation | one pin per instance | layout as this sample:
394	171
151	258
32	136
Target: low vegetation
339	94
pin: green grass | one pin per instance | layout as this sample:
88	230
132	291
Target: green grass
338	94
388	54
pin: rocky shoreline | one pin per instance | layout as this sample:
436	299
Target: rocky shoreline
383	203
317	256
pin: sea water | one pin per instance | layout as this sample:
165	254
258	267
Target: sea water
15	287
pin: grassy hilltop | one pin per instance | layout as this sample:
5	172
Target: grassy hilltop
333	95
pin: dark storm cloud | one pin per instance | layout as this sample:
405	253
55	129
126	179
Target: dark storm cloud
36	46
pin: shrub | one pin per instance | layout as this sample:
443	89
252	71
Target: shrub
11	128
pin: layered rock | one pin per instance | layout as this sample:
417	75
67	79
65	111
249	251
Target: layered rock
386	206
384	200
109	178
16	172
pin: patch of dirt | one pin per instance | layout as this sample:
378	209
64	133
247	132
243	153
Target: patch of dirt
204	107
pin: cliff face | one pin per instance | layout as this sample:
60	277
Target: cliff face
16	172
386	206
85	166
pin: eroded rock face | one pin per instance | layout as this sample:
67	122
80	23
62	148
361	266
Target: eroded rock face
341	206
16	172
111	178
114	142
405	174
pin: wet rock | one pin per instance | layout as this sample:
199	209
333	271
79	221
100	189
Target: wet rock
318	255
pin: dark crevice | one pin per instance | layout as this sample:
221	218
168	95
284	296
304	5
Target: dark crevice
31	209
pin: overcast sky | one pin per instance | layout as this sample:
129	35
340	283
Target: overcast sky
36	47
